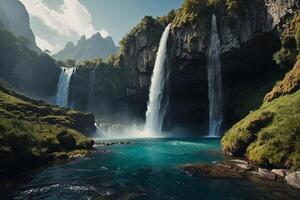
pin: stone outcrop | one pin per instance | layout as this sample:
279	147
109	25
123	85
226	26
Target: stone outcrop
293	179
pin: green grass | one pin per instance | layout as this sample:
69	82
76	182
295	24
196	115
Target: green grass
276	142
29	130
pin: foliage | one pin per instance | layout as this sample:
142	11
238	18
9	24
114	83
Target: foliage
193	11
290	41
167	19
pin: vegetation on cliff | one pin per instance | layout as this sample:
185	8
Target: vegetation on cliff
270	136
33	131
193	11
290	42
288	85
148	25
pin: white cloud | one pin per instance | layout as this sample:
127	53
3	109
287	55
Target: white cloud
70	19
43	44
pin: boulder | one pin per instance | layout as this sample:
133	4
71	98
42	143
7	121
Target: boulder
244	166
264	173
66	140
293	179
279	172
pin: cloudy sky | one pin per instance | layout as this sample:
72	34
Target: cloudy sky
55	22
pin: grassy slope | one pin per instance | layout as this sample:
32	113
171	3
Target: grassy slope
270	136
25	135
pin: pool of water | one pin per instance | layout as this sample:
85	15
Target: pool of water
146	169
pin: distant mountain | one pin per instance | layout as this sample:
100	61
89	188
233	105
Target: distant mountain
14	17
87	49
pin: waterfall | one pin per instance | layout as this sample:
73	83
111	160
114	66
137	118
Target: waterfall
63	86
91	91
155	110
214	82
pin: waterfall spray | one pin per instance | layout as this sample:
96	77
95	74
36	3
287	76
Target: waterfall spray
214	82
63	86
155	110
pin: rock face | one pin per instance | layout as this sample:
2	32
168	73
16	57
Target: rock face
87	49
139	54
15	18
100	90
248	69
36	74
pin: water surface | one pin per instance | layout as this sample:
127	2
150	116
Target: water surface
146	169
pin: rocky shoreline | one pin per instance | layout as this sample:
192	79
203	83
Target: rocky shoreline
240	168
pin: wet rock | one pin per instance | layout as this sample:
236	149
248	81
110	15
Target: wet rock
279	172
77	156
244	166
240	161
112	143
264	173
214	171
293	179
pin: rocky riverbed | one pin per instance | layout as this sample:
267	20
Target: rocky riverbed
238	168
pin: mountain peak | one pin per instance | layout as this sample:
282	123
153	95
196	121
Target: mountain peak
97	36
87	49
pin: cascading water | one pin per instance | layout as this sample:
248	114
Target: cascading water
155	110
63	86
91	90
214	82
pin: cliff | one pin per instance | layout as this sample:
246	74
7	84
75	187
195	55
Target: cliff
250	34
33	131
14	17
28	71
88	49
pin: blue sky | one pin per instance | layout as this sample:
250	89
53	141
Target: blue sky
55	22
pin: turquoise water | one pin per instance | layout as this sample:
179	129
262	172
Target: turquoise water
146	169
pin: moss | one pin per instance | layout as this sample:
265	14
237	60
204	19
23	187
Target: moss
274	144
232	7
288	85
29	136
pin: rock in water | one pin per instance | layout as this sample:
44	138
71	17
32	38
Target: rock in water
293	179
66	140
264	173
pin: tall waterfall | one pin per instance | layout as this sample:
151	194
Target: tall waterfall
155	110
91	90
63	86
214	82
